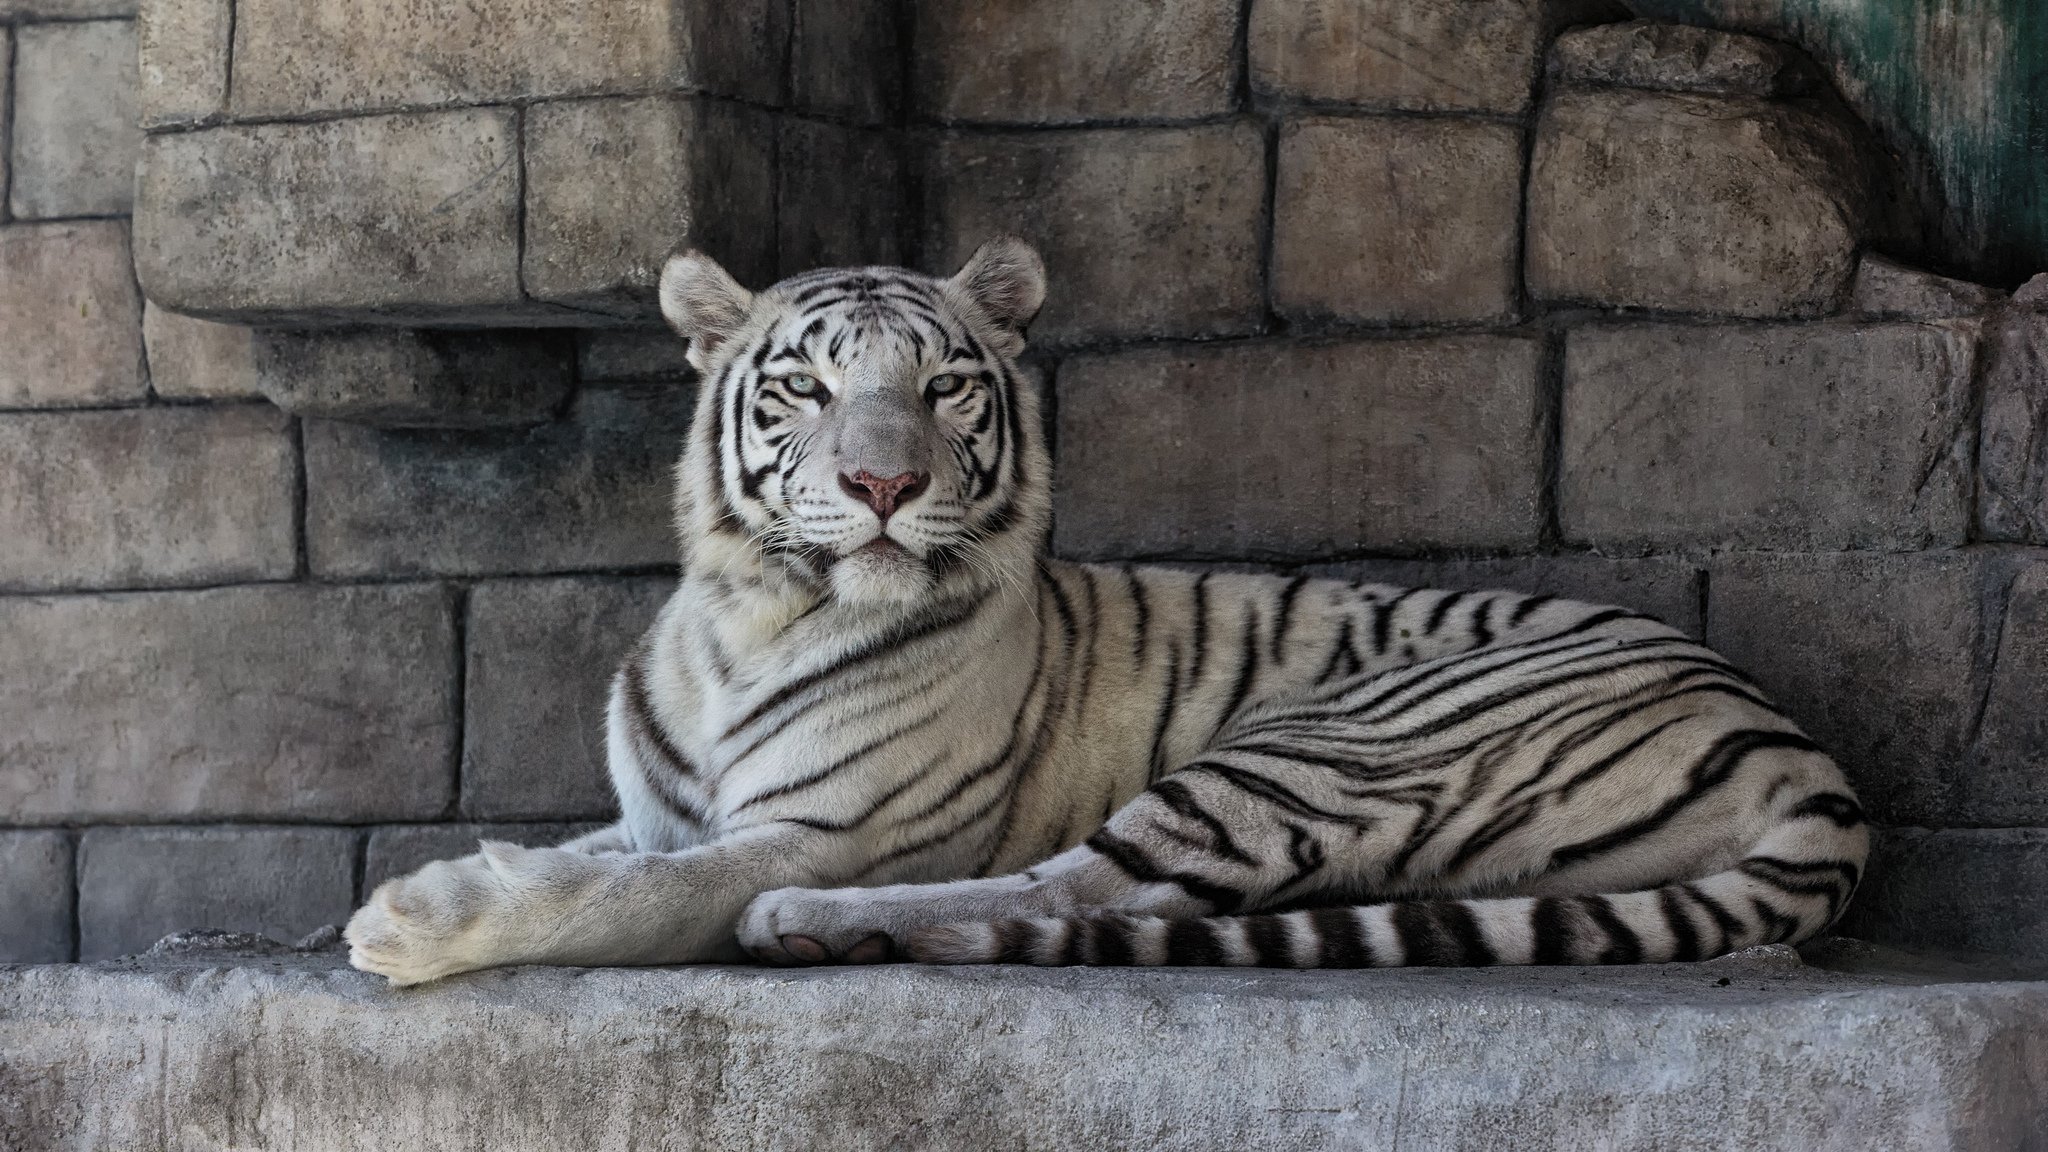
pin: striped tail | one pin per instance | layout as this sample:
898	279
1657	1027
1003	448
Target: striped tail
1791	886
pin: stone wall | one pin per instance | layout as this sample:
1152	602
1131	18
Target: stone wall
1408	289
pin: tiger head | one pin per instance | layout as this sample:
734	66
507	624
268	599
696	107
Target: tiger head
864	433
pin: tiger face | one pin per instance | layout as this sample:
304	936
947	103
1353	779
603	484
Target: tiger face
865	430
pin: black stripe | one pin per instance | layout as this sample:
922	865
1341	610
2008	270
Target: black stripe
1482	633
1685	940
1623	946
1843	810
1526	608
1441	610
1192	943
1551	932
1712	770
1439	934
1341	934
1171	697
1729	925
1287	596
1247	669
1109	939
1132	861
1013	942
1200	657
1178	797
1268	938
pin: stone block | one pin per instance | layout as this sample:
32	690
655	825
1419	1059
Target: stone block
843	57
64	9
265	702
194	359
2012	459
1399	221
588	492
412	216
292	58
1887	288
418	378
1801	437
1145	231
1875	657
6	99
1413	55
138	885
608	355
541	658
1687	203
399	849
35	897
841	198
184	46
2008	781
1681	58
1969	889
1389	445
1662	586
70	316
146	497
1072	61
613	186
75	135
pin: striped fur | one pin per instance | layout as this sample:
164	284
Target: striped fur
953	748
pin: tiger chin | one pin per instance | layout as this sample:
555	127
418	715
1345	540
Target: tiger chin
877	722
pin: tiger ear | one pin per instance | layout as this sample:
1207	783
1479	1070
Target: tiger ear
702	302
1006	280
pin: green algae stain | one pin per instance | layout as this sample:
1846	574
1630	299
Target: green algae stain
1958	88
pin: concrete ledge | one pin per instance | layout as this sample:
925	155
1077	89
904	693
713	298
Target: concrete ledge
294	1050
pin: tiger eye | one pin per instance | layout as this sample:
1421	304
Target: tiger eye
802	385
946	384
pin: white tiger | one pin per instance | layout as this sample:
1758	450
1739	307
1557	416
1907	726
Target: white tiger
877	722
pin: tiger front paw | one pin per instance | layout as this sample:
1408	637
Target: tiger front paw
453	916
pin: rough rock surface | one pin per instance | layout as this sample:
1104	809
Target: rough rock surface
2012	460
1680	58
398	378
1888	288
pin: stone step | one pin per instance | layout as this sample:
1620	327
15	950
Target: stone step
293	1050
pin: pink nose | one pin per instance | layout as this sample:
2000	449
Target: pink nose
884	496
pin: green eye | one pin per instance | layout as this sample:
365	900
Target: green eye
802	385
947	384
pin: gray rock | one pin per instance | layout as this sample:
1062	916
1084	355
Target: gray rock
1875	657
2008	780
1073	61
137	884
2033	293
2012	458
1750	1056
70	317
64	9
1681	58
6	94
184	47
401	849
612	186
841	59
35	897
1416	55
1399	221
1803	437
1887	288
194	359
841	198
590	491
265	702
289	223
1387	445
75	134
1662	586
400	378
541	658
1693	204
610	355
146	497
1145	231
1979	890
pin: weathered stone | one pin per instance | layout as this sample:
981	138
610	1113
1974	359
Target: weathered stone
1693	204
1421	55
2008	781
253	702
841	200
137	885
146	496
1767	436
6	97
64	9
1886	288
1781	1057
1968	889
184	47
292	58
75	136
399	849
1072	61
843	56
417	378
194	359
541	658
70	317
412	216
1393	445
2012	460
590	491
1397	220
1874	656
613	186
1681	58
35	898
1661	586
2033	293
613	354
1145	231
